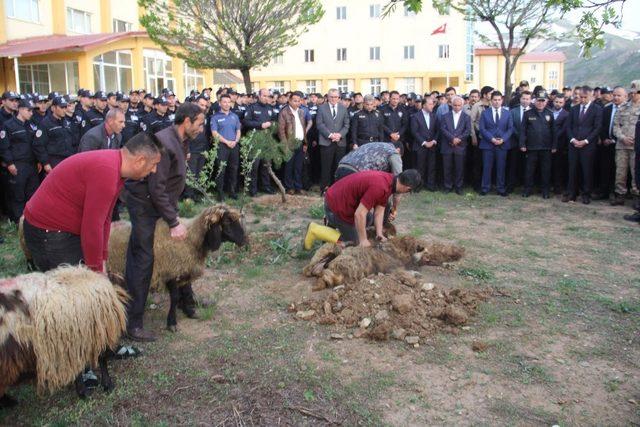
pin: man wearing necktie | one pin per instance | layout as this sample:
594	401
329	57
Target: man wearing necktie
515	157
583	131
624	129
332	121
606	150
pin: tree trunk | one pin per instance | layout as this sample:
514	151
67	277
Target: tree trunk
508	86
275	178
246	76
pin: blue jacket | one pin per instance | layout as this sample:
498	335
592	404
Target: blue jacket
448	132
489	129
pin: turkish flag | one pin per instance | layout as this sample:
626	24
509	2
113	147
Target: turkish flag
440	30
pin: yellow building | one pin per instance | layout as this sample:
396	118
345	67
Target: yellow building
64	45
353	48
538	68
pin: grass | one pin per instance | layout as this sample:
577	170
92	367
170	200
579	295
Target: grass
12	261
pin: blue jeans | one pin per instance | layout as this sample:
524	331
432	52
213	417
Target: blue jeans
489	157
293	171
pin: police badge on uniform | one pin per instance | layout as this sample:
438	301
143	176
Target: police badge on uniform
143	126
2	134
400	114
39	133
548	118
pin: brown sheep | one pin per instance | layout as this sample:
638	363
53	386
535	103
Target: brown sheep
334	265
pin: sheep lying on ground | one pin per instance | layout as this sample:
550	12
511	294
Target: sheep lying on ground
178	263
334	265
54	324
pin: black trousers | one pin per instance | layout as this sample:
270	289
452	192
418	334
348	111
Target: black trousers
20	188
560	170
580	159
533	159
228	174
606	168
515	168
453	168
260	167
474	166
196	163
330	156
51	249
426	165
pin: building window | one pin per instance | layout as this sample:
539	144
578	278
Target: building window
374	53
409	52
343	85
112	71
533	80
122	26
309	55
534	67
193	79
278	59
409	84
341	13
78	21
443	51
310	86
376	86
27	10
468	74
278	86
408	11
341	54
374	10
158	71
553	75
44	78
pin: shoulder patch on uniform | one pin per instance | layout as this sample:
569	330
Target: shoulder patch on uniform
38	133
84	123
2	134
143	126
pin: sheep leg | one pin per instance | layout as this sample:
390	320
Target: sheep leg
174	297
81	390
6	401
105	378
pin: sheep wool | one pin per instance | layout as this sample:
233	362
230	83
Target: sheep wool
56	323
180	262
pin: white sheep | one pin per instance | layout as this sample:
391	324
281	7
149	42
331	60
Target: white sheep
54	324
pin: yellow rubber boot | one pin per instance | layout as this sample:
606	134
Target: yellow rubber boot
320	232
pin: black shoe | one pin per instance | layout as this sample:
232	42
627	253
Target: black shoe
586	199
503	194
566	198
633	217
526	194
545	195
600	196
253	193
459	191
269	190
617	201
447	191
483	193
140	335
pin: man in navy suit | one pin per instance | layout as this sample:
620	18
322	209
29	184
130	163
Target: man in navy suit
559	159
425	132
583	131
455	129
496	129
515	158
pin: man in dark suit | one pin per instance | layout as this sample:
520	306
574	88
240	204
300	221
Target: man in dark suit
455	129
515	157
106	136
606	149
496	129
559	159
332	121
425	132
583	131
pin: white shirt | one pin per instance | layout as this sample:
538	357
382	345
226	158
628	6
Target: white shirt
334	110
522	111
456	118
299	128
427	118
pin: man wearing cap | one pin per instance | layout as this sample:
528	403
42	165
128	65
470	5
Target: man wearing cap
131	118
95	115
112	100
134	100
198	146
71	121
366	125
394	120
147	106
624	129
515	157
18	156
159	119
538	140
9	106
40	110
260	116
55	135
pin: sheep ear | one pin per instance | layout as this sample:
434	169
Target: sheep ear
215	216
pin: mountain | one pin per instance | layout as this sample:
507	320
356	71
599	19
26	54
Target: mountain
618	63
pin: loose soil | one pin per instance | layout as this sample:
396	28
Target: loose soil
399	306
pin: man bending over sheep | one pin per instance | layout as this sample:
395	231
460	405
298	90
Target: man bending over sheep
151	199
68	219
348	202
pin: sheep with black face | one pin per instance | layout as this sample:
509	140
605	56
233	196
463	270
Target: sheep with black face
178	263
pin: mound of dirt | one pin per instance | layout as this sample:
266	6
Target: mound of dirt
293	202
399	306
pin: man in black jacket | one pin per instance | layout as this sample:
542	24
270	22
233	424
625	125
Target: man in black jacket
538	140
425	129
260	116
151	199
583	131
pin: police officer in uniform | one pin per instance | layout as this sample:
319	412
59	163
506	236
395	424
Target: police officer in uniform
131	120
394	119
367	124
236	107
40	110
9	106
95	115
19	156
197	146
260	116
159	119
71	121
55	136
147	105
538	140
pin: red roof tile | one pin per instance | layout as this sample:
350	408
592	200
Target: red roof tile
61	43
543	57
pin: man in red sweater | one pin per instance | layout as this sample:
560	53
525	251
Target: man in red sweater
68	219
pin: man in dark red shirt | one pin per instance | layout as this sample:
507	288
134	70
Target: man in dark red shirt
349	201
68	219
